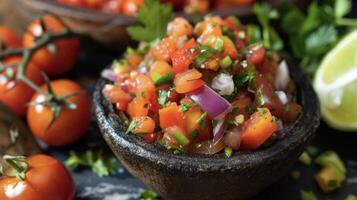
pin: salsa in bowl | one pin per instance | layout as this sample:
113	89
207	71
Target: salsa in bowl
160	116
203	89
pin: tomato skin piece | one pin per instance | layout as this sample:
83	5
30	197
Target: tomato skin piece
46	177
9	38
171	116
183	57
164	50
70	125
17	97
138	107
145	125
258	129
188	81
67	50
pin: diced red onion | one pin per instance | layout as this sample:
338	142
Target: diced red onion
109	75
233	138
282	76
280	129
211	102
142	69
223	83
282	97
218	131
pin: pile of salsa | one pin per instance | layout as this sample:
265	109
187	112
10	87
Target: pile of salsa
204	88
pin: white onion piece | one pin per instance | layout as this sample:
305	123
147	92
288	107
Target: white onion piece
233	138
109	75
223	83
282	76
218	131
282	97
211	102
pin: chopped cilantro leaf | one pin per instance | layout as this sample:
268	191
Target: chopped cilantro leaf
184	107
201	120
131	126
261	99
101	165
204	54
304	195
154	18
148	195
249	110
242	78
228	151
163	96
194	134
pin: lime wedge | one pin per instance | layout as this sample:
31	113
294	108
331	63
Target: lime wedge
335	83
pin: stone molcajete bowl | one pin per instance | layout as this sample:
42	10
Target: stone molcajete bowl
210	177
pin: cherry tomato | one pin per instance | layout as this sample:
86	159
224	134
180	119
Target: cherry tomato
14	94
64	54
113	6
46	178
70	125
94	4
9	38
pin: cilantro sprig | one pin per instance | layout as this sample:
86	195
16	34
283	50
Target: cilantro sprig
314	33
154	18
100	165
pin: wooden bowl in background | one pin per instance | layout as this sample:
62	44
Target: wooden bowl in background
107	29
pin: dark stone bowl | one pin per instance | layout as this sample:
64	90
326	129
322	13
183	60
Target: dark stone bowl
210	177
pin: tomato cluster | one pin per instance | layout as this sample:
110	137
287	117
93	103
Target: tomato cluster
155	90
130	7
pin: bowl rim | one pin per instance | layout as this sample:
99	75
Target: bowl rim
300	132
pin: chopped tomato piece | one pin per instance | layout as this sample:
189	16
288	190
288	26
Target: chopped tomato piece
229	48
161	72
179	27
183	57
171	116
164	49
198	125
138	107
144	125
258	129
188	81
175	137
291	112
255	55
117	96
145	87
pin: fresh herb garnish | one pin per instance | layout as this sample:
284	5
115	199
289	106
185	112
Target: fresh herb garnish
194	134
304	195
313	34
228	151
148	195
154	18
205	53
101	165
295	175
163	96
261	111
201	120
184	107
249	110
261	99
271	39
241	78
131	126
